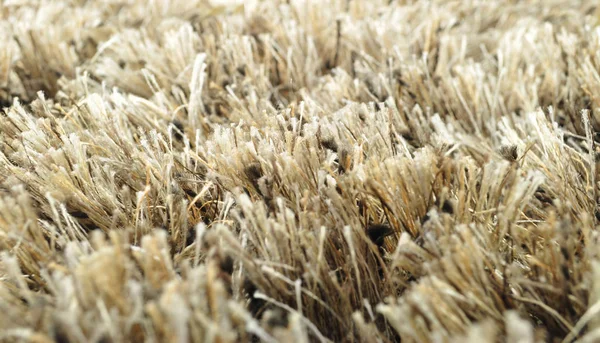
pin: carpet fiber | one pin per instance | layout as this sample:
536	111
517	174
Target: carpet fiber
299	171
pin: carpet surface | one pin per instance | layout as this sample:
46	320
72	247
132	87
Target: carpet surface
299	171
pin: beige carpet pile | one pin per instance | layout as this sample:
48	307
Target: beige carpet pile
299	171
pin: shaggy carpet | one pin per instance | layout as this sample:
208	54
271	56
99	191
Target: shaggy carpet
299	171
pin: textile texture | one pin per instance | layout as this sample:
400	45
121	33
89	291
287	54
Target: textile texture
299	171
